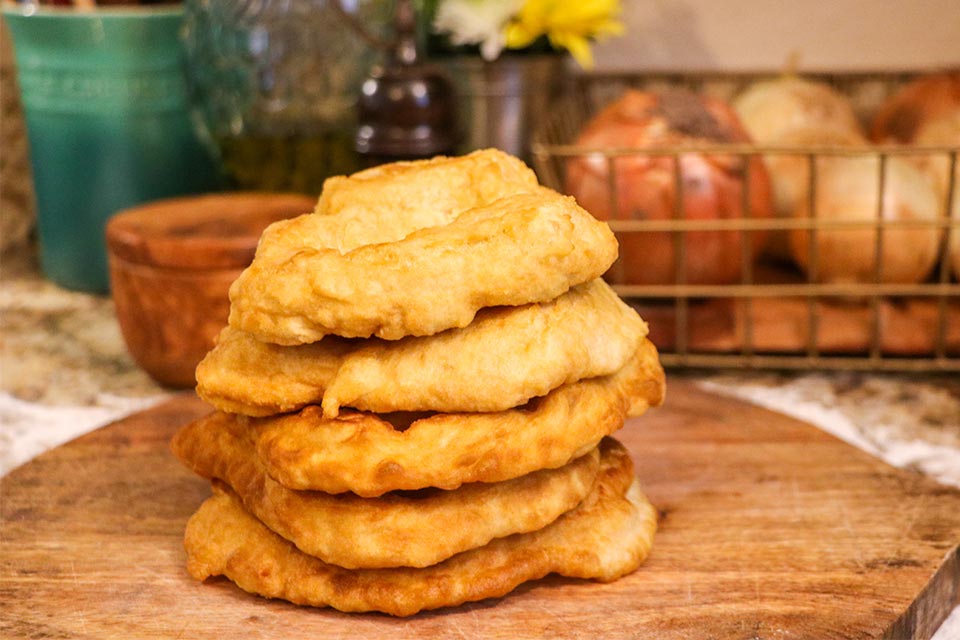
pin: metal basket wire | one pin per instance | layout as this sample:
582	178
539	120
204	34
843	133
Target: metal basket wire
776	316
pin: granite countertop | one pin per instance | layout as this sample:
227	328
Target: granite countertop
64	371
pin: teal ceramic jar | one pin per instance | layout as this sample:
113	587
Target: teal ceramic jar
104	97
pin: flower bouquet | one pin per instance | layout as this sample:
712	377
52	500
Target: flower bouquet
489	27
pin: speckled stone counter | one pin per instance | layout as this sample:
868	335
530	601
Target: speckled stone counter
64	370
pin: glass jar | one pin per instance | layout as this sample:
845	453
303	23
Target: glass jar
274	84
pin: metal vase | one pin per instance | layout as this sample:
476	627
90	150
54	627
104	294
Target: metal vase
502	101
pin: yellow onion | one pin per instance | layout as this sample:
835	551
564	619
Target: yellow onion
943	131
904	114
955	233
790	174
769	109
926	112
794	113
847	190
645	185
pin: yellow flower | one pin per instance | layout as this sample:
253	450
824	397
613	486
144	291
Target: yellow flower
568	24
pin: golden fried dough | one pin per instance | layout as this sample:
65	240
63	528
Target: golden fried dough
606	537
365	454
506	356
529	247
394	529
244	375
388	202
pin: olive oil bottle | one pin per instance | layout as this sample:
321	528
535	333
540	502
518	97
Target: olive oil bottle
274	84
294	162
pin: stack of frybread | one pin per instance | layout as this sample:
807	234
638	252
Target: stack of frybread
415	394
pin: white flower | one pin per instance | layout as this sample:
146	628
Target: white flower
480	22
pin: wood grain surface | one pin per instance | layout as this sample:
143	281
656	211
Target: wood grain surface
171	265
769	529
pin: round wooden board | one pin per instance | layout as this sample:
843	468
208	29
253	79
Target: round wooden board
769	529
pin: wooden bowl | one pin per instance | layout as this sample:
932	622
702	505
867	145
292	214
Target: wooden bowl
171	266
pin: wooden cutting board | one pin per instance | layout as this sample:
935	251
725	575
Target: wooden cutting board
769	529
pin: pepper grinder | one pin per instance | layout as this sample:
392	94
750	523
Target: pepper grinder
407	108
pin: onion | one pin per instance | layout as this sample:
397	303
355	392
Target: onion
712	185
943	130
847	189
792	112
926	112
955	233
770	109
927	98
790	175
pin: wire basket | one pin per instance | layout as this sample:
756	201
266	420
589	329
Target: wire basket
775	314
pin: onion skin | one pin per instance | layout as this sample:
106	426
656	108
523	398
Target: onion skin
790	176
772	109
926	112
847	190
645	185
793	112
955	233
927	98
944	130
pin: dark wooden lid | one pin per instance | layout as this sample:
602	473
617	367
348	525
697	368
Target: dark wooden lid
216	231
